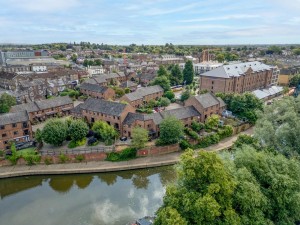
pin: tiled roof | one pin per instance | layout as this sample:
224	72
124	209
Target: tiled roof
206	100
236	70
181	113
54	102
14	117
93	87
128	84
140	93
29	107
222	103
102	106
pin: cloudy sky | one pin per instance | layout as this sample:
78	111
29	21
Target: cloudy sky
150	21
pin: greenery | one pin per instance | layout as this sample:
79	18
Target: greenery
197	126
74	144
191	133
38	136
124	155
70	92
208	140
139	137
80	157
225	131
32	159
78	129
169	94
104	132
185	95
244	106
14	157
164	102
89	62
171	129
188	72
212	122
176	75
162	71
162	81
48	160
184	144
63	158
295	81
55	132
244	139
278	126
6	102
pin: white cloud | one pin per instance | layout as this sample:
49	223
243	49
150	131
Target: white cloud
158	11
229	17
44	5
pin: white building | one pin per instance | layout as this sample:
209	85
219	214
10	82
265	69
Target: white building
203	66
275	75
38	67
95	70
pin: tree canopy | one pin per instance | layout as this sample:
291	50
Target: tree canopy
171	129
104	131
139	137
55	131
78	129
176	75
6	102
188	72
162	81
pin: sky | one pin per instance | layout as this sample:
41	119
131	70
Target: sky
123	22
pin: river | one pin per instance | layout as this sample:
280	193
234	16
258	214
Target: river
84	199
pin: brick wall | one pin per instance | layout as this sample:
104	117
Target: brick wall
158	150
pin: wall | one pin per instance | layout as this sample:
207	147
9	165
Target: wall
158	150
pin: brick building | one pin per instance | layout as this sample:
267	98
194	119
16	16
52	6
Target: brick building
237	78
143	95
96	91
206	104
42	110
14	127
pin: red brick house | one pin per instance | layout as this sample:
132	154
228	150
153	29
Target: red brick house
96	91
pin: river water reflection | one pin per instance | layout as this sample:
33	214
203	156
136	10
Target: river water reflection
85	199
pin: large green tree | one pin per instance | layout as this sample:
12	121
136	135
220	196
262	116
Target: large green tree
104	131
176	75
171	129
295	81
162	71
139	137
162	81
203	193
188	72
6	101
55	132
278	126
78	129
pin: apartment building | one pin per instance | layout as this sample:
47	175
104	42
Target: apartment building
14	127
237	78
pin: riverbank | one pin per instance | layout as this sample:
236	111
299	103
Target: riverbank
105	166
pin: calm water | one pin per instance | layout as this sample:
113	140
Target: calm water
87	199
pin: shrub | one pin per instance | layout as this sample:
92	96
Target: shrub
225	132
126	154
32	159
192	133
208	140
63	158
14	156
74	144
48	160
197	126
113	157
184	144
1	153
80	158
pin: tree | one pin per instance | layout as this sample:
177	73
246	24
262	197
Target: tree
169	216
162	71
139	137
188	72
278	126
38	136
176	75
6	102
212	121
55	132
162	81
185	95
119	92
78	129
169	94
171	130
220	57
295	81
164	102
104	131
269	188
203	192
127	90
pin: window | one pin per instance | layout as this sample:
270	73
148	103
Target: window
2	127
14	125
212	82
15	132
4	135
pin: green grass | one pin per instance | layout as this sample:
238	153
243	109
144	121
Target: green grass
26	151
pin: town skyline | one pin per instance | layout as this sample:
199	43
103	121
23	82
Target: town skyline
157	22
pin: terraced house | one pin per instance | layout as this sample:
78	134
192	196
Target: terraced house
143	95
96	91
14	127
238	78
42	110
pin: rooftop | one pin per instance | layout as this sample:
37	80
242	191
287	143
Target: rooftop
140	93
93	87
206	100
15	117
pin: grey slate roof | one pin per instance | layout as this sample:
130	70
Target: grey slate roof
29	107
131	117
206	100
77	109
236	70
53	102
93	87
181	113
15	117
128	84
222	103
102	106
140	93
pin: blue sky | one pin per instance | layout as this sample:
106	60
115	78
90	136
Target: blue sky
150	21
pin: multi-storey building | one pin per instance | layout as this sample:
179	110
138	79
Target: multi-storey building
96	91
237	78
42	110
25	54
203	66
14	127
143	95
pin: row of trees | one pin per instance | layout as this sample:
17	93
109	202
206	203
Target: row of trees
255	184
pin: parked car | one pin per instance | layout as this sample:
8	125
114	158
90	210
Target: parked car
123	138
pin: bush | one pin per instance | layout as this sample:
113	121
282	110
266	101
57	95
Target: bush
74	144
184	144
197	126
208	140
160	142
14	156
192	133
63	158
225	132
32	159
80	158
126	154
1	153
48	160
